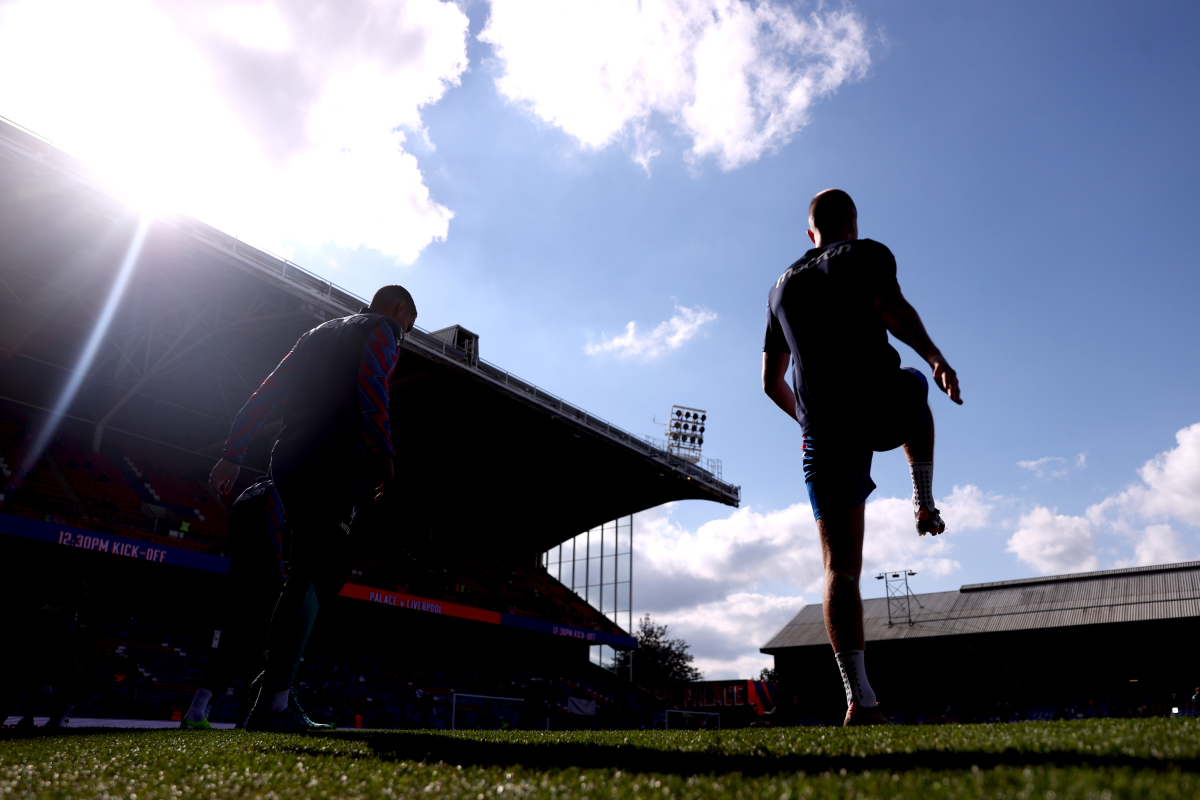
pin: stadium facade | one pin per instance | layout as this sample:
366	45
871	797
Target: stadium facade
1113	643
138	386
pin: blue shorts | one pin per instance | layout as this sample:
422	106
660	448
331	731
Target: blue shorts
838	474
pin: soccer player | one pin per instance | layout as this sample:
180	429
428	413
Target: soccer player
333	451
829	314
42	607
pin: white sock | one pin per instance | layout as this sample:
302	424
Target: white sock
198	710
854	678
279	701
922	478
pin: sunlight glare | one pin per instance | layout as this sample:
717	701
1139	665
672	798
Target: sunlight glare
258	27
260	120
99	330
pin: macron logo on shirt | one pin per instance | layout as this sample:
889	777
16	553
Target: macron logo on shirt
830	253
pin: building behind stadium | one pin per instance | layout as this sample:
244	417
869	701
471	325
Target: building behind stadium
1113	643
500	566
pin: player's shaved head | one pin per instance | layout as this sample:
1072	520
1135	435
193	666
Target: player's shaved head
391	296
394	301
831	212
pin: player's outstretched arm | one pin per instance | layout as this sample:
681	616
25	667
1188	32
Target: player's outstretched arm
905	324
775	366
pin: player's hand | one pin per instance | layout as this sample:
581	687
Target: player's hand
223	475
387	474
946	378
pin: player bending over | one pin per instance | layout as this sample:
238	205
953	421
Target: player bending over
830	314
335	444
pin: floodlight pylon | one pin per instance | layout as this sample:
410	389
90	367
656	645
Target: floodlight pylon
898	595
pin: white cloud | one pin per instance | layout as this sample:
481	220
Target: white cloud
718	633
892	541
728	586
1170	485
1054	543
736	78
1053	466
666	336
274	121
1169	490
1156	544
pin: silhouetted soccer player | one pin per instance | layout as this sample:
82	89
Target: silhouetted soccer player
41	610
830	314
334	444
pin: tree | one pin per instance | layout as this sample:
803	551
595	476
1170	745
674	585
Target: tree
768	674
658	660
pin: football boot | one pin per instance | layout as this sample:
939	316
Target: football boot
857	715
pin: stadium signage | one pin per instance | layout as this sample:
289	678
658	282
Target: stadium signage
413	603
108	544
104	544
559	629
754	695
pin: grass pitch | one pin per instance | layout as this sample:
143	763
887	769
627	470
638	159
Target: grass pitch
1157	758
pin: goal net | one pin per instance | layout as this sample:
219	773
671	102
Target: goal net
481	712
693	720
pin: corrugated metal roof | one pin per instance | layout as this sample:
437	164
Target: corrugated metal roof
1126	595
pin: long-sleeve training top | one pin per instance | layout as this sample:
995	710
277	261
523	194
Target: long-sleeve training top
333	386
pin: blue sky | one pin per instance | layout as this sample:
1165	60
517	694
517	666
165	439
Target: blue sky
1030	165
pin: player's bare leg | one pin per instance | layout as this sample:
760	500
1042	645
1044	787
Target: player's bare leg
919	452
841	535
841	551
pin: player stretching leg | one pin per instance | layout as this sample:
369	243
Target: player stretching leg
830	314
335	443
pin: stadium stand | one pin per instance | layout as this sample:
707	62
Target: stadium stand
202	322
150	494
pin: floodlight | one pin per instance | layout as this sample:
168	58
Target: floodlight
683	431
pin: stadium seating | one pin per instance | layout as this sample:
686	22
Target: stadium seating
74	486
149	492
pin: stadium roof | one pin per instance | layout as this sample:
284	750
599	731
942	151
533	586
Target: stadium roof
1086	598
206	317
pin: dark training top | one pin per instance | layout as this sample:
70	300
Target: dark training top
334	387
822	311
